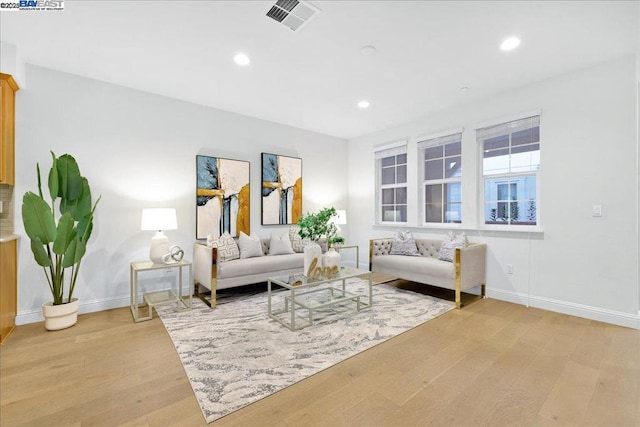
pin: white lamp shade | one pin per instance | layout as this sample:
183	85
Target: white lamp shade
159	219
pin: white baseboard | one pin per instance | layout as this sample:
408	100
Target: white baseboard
580	310
35	315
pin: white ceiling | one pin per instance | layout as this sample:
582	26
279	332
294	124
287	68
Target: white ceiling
314	77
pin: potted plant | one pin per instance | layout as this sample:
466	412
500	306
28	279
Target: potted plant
59	233
313	227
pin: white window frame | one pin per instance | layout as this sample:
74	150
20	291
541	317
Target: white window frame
381	152
495	127
440	139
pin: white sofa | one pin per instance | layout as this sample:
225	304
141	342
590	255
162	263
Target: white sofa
468	269
211	274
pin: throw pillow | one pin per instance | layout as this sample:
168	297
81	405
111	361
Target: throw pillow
227	247
280	245
296	241
404	244
449	245
250	246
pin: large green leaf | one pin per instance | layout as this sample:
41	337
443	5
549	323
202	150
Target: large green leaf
38	218
69	177
54	185
66	233
74	253
80	207
39	253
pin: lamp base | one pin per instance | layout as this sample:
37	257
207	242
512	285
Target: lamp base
159	247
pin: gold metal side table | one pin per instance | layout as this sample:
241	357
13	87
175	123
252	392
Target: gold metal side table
153	299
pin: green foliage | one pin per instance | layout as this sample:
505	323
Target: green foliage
337	240
61	246
315	226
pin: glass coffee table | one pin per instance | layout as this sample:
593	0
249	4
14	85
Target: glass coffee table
300	294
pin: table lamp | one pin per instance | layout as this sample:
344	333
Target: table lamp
159	219
340	219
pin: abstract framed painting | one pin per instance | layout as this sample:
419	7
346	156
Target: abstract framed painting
281	189
222	197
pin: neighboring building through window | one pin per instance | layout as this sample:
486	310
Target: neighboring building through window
441	158
510	168
391	165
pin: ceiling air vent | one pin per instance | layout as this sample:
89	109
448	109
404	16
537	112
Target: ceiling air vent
294	14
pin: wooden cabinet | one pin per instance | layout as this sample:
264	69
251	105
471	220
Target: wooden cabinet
8	89
8	289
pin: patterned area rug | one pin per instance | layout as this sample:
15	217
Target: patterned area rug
235	355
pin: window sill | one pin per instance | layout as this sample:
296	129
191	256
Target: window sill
495	230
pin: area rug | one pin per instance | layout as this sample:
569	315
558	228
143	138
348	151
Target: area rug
235	355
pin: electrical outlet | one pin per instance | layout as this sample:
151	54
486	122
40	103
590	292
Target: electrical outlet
596	211
509	268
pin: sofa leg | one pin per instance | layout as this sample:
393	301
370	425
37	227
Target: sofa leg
458	301
483	290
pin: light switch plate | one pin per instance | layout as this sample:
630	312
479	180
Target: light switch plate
597	211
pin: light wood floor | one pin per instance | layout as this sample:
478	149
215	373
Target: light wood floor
490	364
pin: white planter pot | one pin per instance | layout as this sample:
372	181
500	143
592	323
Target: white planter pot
331	258
61	316
312	251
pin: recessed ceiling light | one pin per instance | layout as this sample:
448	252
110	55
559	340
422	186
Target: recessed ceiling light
368	50
241	59
363	104
510	43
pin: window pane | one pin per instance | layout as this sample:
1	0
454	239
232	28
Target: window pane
501	141
389	213
503	192
453	167
401	196
527	136
402	210
453	193
388	196
388	176
402	174
452	212
388	161
433	152
511	201
433	212
496	162
433	193
455	148
433	169
525	158
401	159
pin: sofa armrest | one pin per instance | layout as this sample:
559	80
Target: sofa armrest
471	265
379	247
204	264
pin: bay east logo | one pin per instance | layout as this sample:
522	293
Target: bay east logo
41	4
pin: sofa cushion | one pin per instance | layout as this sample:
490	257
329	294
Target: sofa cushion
258	265
449	245
227	247
431	270
404	244
280	245
250	246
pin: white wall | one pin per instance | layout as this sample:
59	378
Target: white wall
138	150
579	264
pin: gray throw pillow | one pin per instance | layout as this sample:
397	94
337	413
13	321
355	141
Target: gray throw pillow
449	245
404	244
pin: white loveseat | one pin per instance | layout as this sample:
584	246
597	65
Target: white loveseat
468	269
211	274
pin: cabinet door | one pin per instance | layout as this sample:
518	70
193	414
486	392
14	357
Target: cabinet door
8	87
8	291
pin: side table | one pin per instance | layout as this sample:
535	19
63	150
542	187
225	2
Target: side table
152	299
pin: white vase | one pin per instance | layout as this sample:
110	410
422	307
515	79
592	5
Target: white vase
312	251
60	316
331	258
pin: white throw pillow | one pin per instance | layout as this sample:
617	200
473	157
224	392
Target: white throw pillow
296	241
250	246
227	247
404	244
449	245
280	245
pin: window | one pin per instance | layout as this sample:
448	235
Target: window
391	164
510	168
442	178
